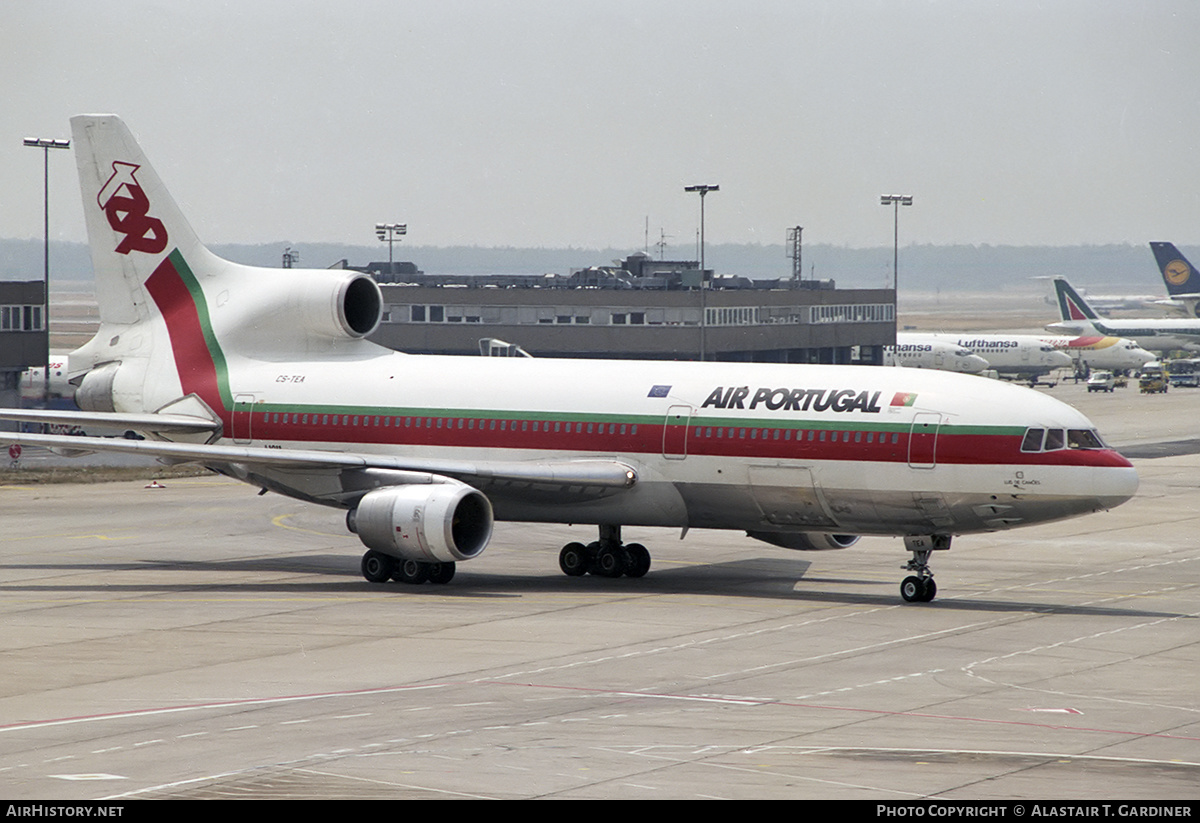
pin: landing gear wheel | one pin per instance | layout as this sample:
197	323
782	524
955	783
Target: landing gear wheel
573	559
912	589
612	562
639	560
377	567
411	571
916	590
919	587
441	573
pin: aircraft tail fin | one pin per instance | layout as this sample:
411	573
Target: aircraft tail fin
1179	275
133	223
1071	305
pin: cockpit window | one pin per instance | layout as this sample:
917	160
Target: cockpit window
1083	439
1033	440
1047	440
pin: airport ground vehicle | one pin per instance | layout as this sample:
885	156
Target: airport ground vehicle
1153	379
1101	381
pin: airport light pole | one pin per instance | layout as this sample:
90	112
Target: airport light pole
895	201
702	190
389	232
45	144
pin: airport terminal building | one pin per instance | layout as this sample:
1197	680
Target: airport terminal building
23	335
639	309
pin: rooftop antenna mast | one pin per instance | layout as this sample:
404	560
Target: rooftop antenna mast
795	248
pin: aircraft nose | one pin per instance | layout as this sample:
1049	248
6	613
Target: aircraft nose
1113	486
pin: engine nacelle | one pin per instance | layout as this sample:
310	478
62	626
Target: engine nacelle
437	523
349	306
806	541
290	310
95	391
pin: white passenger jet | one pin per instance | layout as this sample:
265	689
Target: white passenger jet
1023	356
1153	334
33	381
1108	353
932	354
264	375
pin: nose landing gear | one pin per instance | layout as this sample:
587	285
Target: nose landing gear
919	587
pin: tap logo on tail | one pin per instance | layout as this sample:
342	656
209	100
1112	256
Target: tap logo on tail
126	206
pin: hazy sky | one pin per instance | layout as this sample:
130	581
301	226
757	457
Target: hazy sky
570	122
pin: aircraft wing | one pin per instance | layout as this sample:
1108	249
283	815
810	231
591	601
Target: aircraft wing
578	475
163	423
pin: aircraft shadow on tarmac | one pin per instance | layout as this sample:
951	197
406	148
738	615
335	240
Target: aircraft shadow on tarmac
766	578
1169	448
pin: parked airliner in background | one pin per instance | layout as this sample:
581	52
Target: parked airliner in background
1152	334
932	354
1108	353
1180	276
264	375
1022	356
33	381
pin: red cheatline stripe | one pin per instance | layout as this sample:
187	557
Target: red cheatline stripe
193	360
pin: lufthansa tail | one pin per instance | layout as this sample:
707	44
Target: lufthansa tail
1179	275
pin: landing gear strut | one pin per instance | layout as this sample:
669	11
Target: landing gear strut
607	557
919	587
378	567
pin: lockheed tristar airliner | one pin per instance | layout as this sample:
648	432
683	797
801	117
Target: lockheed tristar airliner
264	375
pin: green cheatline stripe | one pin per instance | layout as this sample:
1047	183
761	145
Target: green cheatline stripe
210	339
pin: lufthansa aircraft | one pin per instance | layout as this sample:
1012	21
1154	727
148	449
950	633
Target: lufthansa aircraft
932	354
1022	356
264	375
1180	277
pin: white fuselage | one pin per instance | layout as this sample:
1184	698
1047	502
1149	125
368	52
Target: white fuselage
758	447
1111	353
1155	335
1022	355
932	354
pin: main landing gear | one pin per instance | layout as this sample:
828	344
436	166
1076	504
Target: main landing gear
919	587
607	557
378	567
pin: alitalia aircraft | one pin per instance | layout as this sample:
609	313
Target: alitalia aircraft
264	375
1153	334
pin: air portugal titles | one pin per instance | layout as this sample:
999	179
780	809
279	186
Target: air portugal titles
838	400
